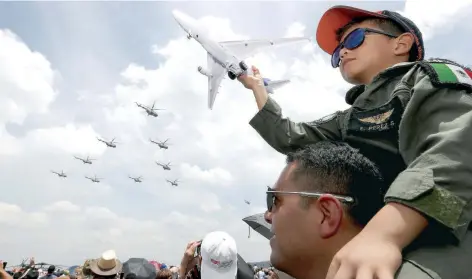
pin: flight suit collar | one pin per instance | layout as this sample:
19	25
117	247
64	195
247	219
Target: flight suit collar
393	71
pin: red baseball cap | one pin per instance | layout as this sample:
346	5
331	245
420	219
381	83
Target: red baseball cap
338	16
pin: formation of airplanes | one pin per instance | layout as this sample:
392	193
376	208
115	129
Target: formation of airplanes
226	58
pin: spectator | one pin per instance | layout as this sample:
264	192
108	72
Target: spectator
324	196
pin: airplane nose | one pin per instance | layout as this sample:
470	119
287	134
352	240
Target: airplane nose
177	14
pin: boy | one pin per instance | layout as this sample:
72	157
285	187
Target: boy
413	118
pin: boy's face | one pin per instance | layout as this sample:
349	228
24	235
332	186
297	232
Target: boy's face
375	54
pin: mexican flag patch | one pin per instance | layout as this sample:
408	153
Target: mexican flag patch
448	73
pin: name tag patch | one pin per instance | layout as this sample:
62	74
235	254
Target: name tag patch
382	119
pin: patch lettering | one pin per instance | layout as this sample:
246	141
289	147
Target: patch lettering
370	123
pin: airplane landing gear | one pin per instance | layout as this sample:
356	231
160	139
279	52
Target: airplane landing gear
231	75
189	36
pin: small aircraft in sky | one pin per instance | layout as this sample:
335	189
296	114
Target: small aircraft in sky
173	183
61	174
94	179
149	110
247	202
87	160
226	58
136	179
164	166
161	144
111	143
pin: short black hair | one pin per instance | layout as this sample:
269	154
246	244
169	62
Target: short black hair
337	168
32	274
384	24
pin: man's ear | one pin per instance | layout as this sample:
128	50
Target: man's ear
404	43
332	215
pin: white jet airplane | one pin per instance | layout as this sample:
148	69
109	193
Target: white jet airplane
227	57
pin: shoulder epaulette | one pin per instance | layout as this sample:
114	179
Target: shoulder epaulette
448	74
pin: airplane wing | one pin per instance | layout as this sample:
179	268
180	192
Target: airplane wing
247	48
274	84
217	74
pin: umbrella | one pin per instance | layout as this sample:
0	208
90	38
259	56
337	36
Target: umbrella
259	224
140	267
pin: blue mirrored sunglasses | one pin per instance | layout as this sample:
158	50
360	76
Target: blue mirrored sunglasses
353	41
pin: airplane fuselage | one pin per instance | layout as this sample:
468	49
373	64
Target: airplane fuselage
220	54
162	146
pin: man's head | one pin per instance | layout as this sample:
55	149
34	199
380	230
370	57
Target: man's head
51	269
364	43
219	256
326	193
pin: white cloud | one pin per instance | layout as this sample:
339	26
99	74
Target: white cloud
79	141
297	29
26	79
438	17
219	159
214	176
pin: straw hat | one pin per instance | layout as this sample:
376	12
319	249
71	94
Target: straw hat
107	264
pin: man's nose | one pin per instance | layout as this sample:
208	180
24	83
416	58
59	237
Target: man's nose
268	216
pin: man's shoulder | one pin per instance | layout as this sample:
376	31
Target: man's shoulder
412	270
443	73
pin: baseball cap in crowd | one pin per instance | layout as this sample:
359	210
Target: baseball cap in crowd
219	256
338	16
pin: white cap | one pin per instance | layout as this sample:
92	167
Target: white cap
219	256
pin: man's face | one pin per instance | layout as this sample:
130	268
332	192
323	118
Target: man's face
375	54
295	227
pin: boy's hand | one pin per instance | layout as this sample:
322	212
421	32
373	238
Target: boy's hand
252	81
366	256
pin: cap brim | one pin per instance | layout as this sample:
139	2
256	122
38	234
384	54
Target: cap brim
208	272
335	18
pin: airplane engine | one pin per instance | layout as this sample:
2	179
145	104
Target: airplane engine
203	71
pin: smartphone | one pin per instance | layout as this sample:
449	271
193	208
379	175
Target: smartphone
197	251
4	265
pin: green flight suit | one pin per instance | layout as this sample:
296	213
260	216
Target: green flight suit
415	121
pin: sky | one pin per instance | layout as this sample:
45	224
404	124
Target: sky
71	71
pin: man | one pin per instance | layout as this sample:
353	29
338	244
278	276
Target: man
323	197
217	258
413	118
50	274
108	266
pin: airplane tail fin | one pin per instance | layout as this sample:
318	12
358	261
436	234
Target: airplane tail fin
272	85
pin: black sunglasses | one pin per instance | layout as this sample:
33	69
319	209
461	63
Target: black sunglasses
271	195
353	41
